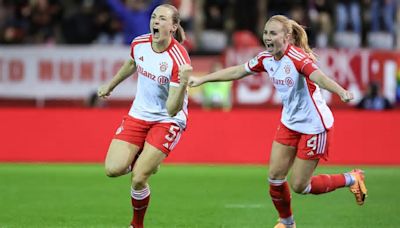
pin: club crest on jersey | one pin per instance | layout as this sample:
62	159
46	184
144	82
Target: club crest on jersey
163	66
162	80
253	62
289	81
287	69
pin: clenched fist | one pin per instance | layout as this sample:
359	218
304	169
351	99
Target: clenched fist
184	72
104	91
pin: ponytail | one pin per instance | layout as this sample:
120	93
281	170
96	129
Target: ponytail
300	39
179	34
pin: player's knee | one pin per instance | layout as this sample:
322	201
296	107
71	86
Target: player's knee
276	175
298	186
113	170
139	180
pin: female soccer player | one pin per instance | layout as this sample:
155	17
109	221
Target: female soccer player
158	114
305	129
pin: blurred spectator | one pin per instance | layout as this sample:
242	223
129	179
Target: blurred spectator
80	27
348	24
211	32
383	11
135	16
373	99
321	13
13	26
348	11
217	94
109	27
45	16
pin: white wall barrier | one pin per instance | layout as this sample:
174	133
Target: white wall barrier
75	72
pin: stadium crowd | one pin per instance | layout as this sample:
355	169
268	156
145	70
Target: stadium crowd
338	23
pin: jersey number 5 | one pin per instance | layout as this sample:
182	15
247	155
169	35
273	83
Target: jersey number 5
173	131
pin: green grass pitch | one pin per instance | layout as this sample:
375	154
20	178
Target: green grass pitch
193	196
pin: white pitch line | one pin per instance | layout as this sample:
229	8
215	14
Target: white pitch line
244	206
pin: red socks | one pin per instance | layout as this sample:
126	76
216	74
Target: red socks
280	194
140	201
326	183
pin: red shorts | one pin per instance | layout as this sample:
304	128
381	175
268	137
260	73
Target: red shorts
163	136
309	147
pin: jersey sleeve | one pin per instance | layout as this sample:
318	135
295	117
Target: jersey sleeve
304	64
255	65
179	57
140	39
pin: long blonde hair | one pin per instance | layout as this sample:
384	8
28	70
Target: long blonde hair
179	34
299	35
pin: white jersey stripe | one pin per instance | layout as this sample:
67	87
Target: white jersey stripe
297	52
294	54
325	138
144	35
177	56
321	142
173	56
140	40
179	53
266	54
175	141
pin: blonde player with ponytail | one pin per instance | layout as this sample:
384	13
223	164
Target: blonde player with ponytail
304	133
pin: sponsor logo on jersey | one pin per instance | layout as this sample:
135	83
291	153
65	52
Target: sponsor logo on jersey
163	66
162	80
146	73
289	81
277	81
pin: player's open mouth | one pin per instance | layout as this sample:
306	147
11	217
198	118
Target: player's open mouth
269	45
156	32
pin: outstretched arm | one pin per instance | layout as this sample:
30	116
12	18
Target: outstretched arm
124	72
326	83
227	74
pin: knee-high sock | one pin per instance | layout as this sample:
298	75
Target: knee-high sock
140	201
326	183
280	195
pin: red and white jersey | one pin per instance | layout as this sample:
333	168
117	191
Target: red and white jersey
156	73
304	109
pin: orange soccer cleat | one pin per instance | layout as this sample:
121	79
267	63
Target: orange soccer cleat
358	188
281	225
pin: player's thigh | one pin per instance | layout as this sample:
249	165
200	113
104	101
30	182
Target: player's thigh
302	172
148	161
281	159
120	156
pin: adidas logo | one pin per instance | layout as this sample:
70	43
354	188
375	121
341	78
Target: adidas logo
311	153
165	145
141	58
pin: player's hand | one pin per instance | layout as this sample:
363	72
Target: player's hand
104	91
194	81
184	72
346	96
